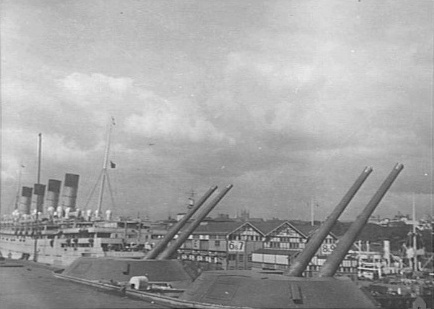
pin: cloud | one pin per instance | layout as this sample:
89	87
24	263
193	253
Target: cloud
177	120
62	150
289	98
89	86
313	79
139	110
19	147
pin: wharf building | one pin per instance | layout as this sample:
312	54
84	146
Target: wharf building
266	245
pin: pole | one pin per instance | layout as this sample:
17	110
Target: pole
414	233
17	198
312	212
36	227
39	158
125	232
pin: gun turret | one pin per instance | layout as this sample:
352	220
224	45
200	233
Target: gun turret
167	254
303	259
334	260
178	226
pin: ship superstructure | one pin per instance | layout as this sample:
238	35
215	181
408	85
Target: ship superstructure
60	236
48	227
60	243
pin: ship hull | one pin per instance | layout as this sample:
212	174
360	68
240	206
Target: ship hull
52	252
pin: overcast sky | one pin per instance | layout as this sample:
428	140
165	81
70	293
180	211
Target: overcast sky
287	100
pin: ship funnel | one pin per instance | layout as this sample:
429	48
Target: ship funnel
39	193
303	259
25	200
170	251
178	226
53	192
332	263
69	194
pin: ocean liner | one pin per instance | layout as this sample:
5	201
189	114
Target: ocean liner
46	226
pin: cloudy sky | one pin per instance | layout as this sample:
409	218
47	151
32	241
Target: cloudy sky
287	100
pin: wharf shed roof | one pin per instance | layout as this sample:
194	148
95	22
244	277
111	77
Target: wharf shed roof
218	228
224	228
307	229
264	227
267	227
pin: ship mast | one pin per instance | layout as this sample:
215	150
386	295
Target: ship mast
17	197
38	180
105	163
35	248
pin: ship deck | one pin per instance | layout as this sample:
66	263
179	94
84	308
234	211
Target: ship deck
26	284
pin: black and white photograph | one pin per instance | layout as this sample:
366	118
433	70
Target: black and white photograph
211	154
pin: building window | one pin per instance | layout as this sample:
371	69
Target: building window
217	243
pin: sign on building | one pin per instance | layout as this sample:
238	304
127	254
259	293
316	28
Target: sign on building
327	248
196	244
236	246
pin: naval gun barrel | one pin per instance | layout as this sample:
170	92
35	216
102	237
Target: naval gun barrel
303	259
178	226
168	253
332	263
